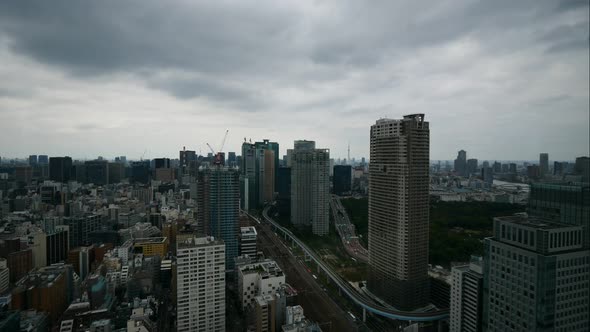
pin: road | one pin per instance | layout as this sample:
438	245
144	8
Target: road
347	232
317	305
359	298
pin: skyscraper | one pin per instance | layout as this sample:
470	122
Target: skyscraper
471	166
43	159
582	167
200	300
97	172
248	187
461	163
342	179
398	211
274	146
259	173
33	160
310	186
544	163
536	276
218	205
564	203
60	169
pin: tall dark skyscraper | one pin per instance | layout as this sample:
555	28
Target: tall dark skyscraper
162	163
231	159
97	172
472	166
33	160
461	163
140	172
398	211
218	200
60	169
43	159
544	163
342	179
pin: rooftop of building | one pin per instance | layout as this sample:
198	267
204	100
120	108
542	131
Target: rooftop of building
248	231
148	240
534	222
193	242
41	277
266	267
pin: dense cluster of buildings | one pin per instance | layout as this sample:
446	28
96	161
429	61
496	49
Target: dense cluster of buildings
138	246
158	245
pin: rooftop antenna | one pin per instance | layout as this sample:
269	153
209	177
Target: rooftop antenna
349	151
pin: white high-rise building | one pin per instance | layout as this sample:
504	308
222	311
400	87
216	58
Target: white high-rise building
310	186
200	282
467	297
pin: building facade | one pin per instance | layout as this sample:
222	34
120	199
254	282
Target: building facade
467	297
342	180
200	284
536	276
310	186
218	202
399	211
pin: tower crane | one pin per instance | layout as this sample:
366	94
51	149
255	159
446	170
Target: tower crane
218	157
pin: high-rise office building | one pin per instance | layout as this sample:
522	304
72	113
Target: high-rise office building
218	200
200	300
564	203
487	175
342	180
116	172
398	211
33	161
536	276
258	173
310	186
80	227
544	163
266	175
284	191
461	163
57	244
274	147
467	297
231	159
582	167
97	172
60	169
558	168
43	159
162	163
497	167
248	186
513	168
140	172
188	162
471	166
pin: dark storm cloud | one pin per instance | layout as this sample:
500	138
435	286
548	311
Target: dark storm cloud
300	65
98	37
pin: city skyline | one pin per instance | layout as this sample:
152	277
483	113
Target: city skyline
181	75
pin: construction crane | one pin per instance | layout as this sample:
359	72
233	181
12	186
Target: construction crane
218	156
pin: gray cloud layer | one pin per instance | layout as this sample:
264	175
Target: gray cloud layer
501	79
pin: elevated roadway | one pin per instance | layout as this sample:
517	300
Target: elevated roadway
365	302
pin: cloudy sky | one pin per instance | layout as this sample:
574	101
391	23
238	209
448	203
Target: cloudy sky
500	79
